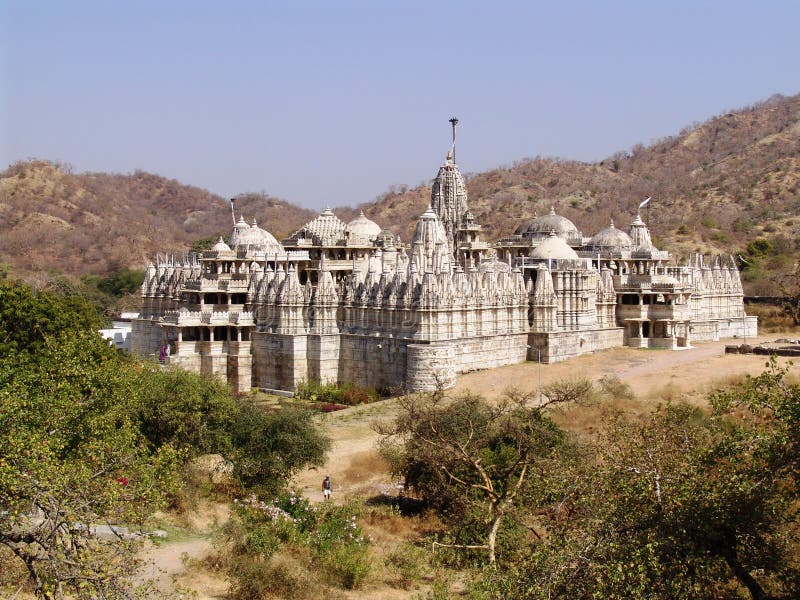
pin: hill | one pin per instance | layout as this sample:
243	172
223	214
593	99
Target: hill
54	220
716	187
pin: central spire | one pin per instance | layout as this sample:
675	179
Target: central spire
449	195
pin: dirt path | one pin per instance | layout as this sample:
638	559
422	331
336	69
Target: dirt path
168	560
694	369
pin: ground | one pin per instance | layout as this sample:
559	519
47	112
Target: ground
656	376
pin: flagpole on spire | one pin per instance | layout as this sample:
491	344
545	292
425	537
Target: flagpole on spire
233	213
642	204
453	122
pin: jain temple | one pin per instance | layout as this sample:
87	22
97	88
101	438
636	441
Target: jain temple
351	302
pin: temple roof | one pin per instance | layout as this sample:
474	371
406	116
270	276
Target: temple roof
554	247
540	226
611	237
363	227
325	226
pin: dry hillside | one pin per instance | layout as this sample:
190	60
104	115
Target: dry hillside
52	219
715	187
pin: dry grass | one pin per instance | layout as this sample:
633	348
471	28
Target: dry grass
365	465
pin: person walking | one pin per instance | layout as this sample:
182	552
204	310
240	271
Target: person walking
327	487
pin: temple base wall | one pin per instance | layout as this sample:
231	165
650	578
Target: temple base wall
437	364
715	329
556	346
279	360
240	367
373	361
146	337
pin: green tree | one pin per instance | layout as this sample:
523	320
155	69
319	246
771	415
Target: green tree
682	505
469	459
28	317
269	447
71	460
199	415
121	281
192	412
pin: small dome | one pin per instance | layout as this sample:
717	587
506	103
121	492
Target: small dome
254	237
611	237
554	247
220	246
327	226
542	226
363	227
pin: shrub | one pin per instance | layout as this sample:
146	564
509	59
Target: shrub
616	389
353	396
347	565
328	535
408	562
333	394
329	407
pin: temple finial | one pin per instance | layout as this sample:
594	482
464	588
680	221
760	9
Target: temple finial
454	123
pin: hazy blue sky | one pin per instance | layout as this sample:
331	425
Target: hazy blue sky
332	102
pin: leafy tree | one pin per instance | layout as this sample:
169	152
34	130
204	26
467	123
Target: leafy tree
28	317
773	404
469	459
72	459
121	281
199	415
189	411
789	286
90	438
679	506
269	447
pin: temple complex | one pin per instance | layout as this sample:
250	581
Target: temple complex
350	302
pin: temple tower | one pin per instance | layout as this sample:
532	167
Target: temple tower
449	195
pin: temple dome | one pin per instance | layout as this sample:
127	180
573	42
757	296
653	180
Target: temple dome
326	226
220	246
363	227
553	247
254	237
611	237
542	226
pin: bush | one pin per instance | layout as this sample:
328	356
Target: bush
408	562
333	394
616	389
280	577
347	565
328	535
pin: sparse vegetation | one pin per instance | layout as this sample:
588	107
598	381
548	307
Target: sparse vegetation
334	394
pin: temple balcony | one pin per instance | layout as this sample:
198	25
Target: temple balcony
653	312
189	348
190	318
